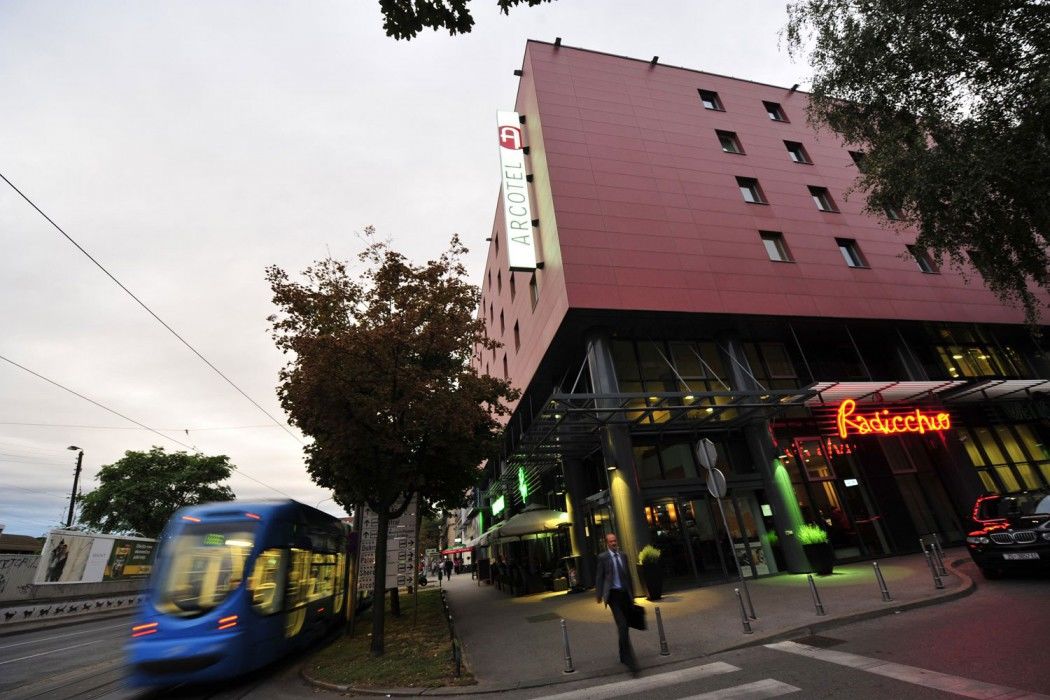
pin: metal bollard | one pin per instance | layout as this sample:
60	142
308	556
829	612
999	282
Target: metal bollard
933	570
569	668
747	599
743	613
457	658
939	554
882	583
816	596
664	651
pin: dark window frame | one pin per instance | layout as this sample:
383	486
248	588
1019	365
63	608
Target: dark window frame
751	184
776	238
712	97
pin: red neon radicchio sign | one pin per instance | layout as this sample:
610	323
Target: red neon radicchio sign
885	423
510	137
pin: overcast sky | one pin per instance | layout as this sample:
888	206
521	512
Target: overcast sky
187	145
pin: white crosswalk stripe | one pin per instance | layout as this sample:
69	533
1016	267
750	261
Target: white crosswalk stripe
767	688
967	687
639	685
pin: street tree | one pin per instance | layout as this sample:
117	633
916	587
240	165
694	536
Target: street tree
140	491
380	378
949	101
404	19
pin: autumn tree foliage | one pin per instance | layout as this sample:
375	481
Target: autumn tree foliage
379	376
950	102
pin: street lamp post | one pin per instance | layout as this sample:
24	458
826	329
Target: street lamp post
76	479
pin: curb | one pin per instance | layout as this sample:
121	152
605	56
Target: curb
968	587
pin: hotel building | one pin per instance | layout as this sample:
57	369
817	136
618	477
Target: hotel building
677	257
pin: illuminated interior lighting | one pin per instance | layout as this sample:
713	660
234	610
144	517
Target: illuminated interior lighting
957	357
239	543
710	409
690	397
191	518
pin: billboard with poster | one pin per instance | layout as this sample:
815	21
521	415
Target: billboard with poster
70	556
131	558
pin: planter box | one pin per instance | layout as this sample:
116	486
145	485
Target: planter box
653	576
821	557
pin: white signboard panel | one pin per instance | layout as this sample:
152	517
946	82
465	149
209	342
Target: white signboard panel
517	212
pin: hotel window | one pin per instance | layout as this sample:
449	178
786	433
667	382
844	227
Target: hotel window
513	287
502	325
730	142
490	279
858	160
1008	458
892	212
534	291
923	260
776	248
750	190
499	281
797	152
517	337
851	252
492	314
711	101
771	365
775	112
506	372
822	198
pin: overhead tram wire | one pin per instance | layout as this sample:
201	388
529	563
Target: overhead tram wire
131	420
149	310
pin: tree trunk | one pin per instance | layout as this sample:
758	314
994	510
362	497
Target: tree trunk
379	585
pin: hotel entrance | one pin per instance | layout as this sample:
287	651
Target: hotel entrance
695	548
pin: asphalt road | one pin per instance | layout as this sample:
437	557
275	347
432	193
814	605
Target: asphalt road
983	645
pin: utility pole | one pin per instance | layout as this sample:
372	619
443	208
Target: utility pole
76	480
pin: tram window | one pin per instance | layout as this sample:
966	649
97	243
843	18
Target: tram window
207	564
322	576
266	583
297	590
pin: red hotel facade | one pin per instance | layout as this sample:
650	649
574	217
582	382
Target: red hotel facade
702	273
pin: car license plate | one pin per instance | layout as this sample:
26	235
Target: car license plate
1021	555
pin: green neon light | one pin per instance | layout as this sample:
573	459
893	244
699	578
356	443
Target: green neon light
782	480
481	522
498	505
523	487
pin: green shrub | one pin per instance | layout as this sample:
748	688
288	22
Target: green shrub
812	534
649	555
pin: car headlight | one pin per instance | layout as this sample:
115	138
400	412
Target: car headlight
1046	536
981	539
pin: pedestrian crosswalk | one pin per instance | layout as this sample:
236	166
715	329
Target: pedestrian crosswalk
715	681
766	688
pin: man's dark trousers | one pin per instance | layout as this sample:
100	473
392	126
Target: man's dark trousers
621	604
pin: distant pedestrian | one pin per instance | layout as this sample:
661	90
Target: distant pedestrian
448	569
614	587
440	573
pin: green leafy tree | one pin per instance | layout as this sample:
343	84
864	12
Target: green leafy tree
404	19
140	491
950	102
380	378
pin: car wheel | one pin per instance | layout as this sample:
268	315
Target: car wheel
991	574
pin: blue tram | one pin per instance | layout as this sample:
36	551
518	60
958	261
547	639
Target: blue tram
235	586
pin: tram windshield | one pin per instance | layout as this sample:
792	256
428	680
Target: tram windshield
206	565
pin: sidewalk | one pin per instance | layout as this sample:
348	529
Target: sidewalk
514	643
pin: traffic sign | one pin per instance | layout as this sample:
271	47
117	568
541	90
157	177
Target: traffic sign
716	483
707	453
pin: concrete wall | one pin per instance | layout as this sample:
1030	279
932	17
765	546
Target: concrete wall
16	575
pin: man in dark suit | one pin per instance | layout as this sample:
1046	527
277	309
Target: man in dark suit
614	587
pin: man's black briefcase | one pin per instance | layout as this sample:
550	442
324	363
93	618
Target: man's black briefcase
636	617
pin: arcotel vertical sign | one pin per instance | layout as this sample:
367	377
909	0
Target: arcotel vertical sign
521	250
